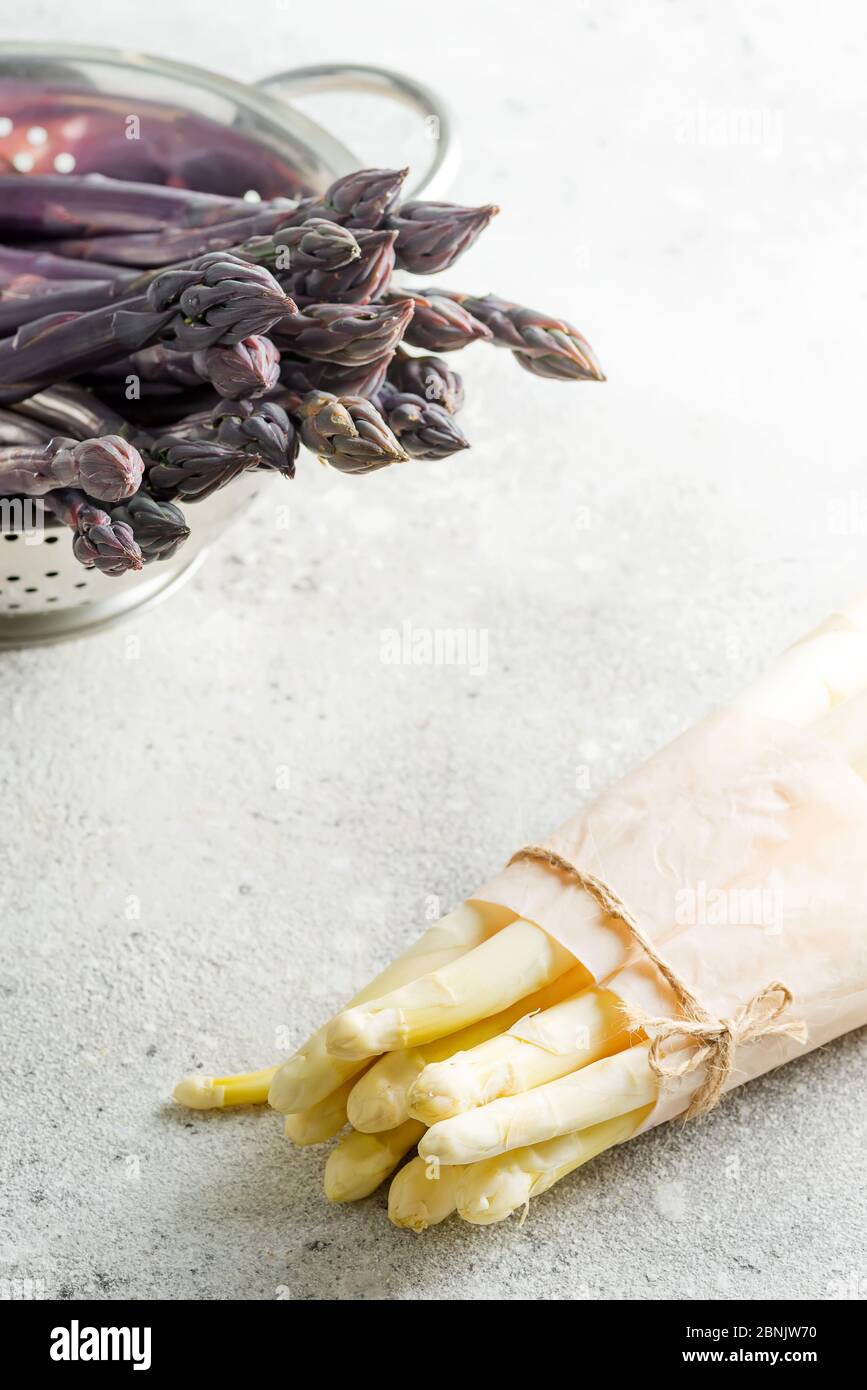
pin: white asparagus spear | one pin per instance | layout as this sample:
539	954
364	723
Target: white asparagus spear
491	1191
321	1121
311	1074
216	1092
379	1099
587	1097
519	960
607	1088
362	1161
824	668
551	1044
816	673
422	1194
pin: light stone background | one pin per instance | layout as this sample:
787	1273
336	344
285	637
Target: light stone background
687	183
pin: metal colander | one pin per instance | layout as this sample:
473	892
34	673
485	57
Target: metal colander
46	595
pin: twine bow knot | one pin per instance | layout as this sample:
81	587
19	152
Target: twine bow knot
715	1040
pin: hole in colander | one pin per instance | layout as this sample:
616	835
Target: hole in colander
15	605
11	536
13	578
82	584
51	540
53	599
31	589
51	574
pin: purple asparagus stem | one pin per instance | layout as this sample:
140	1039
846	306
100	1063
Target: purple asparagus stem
250	368
46	265
16	430
171	245
220	298
70	409
267	239
438	324
67	205
299	375
431	236
363	280
99	542
245	370
194	469
361	199
30	297
261	428
425	430
158	528
108	468
348	433
429	377
349	334
543	345
315	246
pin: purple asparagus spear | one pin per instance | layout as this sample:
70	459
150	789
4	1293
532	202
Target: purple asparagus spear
349	334
431	236
363	280
245	370
158	528
261	428
361	199
348	433
438	324
31	297
424	429
429	377
99	542
15	429
250	368
315	246
15	261
193	468
108	468
67	205
69	409
220	298
264	239
300	375
541	344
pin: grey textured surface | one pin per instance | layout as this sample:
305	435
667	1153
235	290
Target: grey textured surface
631	550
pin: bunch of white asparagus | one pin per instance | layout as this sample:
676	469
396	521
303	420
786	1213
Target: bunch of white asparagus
486	1046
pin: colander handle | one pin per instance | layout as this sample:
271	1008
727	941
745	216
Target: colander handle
358	77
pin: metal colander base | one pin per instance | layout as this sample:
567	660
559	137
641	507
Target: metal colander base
47	596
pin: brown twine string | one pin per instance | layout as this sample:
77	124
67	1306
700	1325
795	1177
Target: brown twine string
715	1039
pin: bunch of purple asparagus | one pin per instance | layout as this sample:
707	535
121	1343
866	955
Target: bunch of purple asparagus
156	343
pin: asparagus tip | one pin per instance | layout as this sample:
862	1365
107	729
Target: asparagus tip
358	1033
284	1094
373	1114
442	1090
489	1195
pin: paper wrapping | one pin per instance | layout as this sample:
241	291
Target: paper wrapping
741	850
